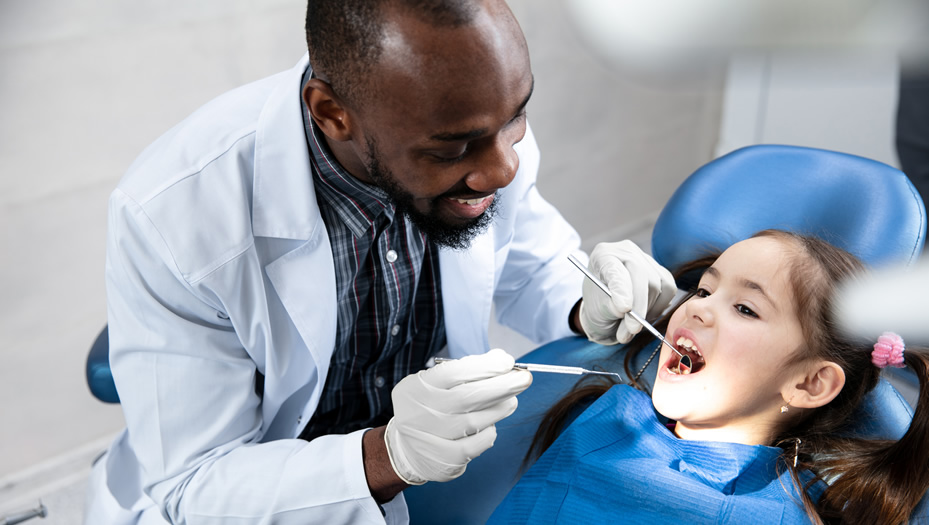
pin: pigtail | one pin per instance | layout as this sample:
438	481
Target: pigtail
881	481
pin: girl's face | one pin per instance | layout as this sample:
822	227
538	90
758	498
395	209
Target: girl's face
741	330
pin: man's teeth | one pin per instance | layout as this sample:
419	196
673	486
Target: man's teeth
471	202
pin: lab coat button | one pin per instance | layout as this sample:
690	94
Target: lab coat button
391	256
379	381
395	330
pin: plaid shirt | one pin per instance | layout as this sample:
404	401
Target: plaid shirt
389	300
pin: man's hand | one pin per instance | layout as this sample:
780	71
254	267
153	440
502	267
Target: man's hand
637	283
444	417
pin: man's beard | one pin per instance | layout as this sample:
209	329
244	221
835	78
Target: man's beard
454	236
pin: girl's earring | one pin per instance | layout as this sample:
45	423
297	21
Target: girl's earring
796	450
786	406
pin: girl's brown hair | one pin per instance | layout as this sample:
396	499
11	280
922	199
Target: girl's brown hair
871	481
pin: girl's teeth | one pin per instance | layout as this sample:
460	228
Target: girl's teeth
688	344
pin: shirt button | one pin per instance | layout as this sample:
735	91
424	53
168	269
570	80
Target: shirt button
379	381
391	256
299	419
395	330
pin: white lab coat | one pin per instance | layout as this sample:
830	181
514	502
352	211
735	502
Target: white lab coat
219	267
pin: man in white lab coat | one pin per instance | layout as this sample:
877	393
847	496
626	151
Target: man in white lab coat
281	264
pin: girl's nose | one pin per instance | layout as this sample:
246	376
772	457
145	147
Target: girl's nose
701	309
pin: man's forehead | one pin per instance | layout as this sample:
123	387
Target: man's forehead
466	131
448	81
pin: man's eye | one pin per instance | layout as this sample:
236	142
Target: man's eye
744	310
453	158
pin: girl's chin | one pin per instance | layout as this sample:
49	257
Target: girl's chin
665	405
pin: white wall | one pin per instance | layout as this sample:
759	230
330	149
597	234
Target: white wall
840	100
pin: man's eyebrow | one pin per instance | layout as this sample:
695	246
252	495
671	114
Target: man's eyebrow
746	283
475	133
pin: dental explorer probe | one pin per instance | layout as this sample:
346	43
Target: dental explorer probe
554	369
648	326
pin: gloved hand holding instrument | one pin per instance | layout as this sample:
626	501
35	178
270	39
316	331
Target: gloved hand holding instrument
636	284
444	416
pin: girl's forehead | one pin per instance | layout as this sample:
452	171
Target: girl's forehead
762	261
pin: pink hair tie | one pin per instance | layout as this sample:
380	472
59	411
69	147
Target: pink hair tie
888	351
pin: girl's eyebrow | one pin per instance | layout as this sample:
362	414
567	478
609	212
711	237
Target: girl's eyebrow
746	283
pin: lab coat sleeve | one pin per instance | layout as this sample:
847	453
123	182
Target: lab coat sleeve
538	286
194	421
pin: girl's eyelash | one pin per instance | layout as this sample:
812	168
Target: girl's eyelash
746	311
740	308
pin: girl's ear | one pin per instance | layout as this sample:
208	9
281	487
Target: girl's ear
821	383
327	110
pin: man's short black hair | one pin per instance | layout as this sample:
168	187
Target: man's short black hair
344	36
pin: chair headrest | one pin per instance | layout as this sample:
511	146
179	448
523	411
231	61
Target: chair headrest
868	208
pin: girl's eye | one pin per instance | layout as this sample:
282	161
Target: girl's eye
746	311
702	292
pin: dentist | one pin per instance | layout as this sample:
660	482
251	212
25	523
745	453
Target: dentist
282	264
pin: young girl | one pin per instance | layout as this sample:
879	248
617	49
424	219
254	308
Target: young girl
757	424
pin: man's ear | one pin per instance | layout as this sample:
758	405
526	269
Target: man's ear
327	110
820	384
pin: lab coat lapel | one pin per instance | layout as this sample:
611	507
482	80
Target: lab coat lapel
285	208
467	294
304	279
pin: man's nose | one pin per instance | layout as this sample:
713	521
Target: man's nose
496	167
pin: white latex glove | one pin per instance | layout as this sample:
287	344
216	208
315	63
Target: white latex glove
637	283
444	416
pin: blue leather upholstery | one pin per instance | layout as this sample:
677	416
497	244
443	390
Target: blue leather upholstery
868	208
99	376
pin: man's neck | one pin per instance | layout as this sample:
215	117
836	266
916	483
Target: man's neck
345	154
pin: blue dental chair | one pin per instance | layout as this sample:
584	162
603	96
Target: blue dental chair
866	207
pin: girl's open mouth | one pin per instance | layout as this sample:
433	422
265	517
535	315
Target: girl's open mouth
689	349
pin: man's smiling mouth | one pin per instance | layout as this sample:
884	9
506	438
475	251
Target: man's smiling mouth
472	202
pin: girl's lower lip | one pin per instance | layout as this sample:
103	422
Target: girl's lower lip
468	211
